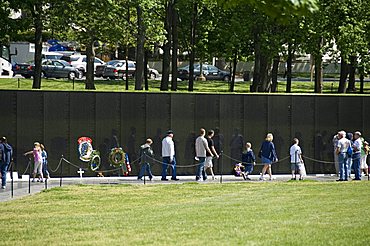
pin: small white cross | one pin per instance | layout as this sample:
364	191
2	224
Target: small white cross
80	171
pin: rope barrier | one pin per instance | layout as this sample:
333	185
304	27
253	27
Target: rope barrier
325	162
177	166
28	165
257	164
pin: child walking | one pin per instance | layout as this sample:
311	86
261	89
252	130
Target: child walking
249	160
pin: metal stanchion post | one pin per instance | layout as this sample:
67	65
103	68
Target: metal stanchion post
222	166
12	183
144	172
61	171
46	184
29	178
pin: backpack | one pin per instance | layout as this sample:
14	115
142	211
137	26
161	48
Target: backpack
350	150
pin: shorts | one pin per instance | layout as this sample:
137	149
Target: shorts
208	163
249	168
298	167
363	162
265	160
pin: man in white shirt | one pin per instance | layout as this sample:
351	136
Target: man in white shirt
201	149
168	155
356	157
296	159
342	148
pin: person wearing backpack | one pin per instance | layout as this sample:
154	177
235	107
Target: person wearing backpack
343	146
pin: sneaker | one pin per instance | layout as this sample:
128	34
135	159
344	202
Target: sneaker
293	179
339	180
164	179
262	179
37	180
33	181
41	181
175	179
248	178
140	179
3	187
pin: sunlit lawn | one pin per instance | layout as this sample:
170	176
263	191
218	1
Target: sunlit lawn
154	86
277	213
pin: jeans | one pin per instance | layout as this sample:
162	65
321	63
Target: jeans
145	167
45	170
3	168
200	169
165	164
349	166
343	166
356	159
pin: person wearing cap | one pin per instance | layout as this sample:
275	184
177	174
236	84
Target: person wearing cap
356	157
342	148
6	154
168	155
37	156
146	153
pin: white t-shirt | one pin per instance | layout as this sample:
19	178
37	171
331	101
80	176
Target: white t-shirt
295	152
168	147
343	145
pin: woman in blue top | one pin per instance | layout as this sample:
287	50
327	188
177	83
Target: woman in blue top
268	155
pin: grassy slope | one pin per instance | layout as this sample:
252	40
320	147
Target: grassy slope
154	85
278	213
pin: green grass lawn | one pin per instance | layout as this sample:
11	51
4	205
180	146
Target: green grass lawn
267	213
154	86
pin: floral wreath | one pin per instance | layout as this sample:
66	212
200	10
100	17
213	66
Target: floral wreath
117	157
95	160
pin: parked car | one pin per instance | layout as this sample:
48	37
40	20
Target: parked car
80	61
209	71
50	69
117	69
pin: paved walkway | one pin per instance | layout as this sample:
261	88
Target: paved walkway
25	188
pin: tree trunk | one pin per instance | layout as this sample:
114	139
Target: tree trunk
265	64
343	76
235	61
175	46
362	76
38	45
128	17
274	73
126	58
146	70
318	74
257	63
192	46
352	74
90	57
289	69
139	71
166	48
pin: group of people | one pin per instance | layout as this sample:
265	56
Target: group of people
205	152
40	162
350	151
